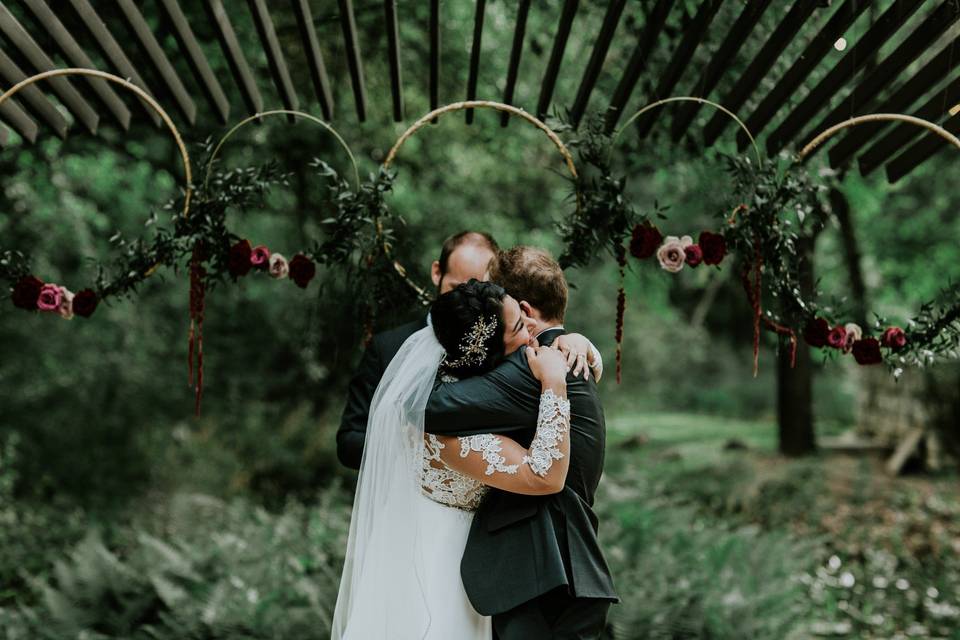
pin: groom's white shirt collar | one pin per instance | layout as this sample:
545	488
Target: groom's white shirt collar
559	326
429	320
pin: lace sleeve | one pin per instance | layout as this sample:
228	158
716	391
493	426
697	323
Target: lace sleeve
501	462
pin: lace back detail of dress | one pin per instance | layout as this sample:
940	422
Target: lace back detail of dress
444	485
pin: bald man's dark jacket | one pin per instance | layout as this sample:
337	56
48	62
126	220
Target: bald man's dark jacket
520	547
353	423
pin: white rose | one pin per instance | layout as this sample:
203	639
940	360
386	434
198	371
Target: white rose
66	303
671	254
854	333
279	268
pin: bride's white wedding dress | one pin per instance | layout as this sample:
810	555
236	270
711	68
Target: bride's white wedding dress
412	513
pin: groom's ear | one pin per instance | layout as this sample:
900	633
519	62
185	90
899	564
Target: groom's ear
526	308
435	273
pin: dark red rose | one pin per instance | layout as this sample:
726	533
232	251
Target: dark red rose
644	241
85	303
714	247
815	333
837	337
867	351
239	261
894	338
26	292
302	270
694	254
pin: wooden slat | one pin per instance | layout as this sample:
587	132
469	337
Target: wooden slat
680	60
900	136
921	151
158	59
13	114
516	51
112	51
348	24
77	57
275	59
434	55
393	56
594	65
475	56
759	67
637	63
196	59
26	45
235	57
845	69
930	75
311	45
812	55
556	56
33	97
4	137
739	33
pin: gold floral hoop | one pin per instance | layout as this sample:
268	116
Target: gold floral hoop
143	95
422	294
811	146
274	112
715	105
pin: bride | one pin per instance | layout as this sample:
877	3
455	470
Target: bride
416	492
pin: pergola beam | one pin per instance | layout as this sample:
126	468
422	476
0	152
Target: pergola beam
719	62
846	68
434	88
348	24
33	97
237	61
920	151
931	74
275	59
901	135
812	55
556	56
393	57
77	57
112	51
28	47
594	65
161	63
646	41
680	60
13	114
474	71
197	60
311	45
516	51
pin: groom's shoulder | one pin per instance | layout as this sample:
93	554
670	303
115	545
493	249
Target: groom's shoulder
388	342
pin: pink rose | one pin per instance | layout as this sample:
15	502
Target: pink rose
66	303
837	337
853	333
671	254
894	338
694	255
49	298
279	267
260	256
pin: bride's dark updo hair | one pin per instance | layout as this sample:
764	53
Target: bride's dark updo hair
468	322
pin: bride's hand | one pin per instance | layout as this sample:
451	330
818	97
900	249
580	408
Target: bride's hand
576	348
549	366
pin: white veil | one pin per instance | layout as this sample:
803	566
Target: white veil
380	585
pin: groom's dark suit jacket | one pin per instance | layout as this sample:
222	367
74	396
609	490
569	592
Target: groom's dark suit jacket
521	547
353	424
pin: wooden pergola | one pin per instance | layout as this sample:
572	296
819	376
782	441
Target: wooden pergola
866	82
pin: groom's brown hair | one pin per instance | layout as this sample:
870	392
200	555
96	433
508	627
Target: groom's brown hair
532	275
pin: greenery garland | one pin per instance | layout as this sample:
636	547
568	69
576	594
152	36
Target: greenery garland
780	210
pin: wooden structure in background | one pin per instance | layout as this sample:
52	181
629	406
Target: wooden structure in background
178	70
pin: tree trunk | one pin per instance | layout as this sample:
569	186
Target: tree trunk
795	384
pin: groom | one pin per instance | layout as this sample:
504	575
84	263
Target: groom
464	255
532	562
